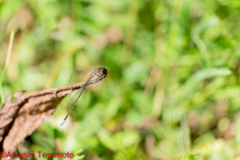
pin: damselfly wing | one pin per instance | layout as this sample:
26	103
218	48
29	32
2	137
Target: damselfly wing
72	102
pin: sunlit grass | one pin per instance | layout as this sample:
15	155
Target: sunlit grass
6	65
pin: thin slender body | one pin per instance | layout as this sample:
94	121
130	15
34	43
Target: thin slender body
96	72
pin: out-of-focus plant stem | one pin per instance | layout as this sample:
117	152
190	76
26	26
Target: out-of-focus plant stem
6	64
130	29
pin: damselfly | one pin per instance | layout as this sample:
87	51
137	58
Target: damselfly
96	72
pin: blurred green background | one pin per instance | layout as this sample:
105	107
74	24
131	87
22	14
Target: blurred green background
172	90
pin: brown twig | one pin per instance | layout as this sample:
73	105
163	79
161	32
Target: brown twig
20	118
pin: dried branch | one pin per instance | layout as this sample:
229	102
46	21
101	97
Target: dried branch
20	118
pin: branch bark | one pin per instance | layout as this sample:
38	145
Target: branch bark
20	118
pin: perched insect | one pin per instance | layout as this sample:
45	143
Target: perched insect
97	72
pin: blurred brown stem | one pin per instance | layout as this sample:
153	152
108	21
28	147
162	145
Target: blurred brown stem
20	118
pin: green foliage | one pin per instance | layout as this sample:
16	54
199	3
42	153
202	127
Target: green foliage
172	90
187	156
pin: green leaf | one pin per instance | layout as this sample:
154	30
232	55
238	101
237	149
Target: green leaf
106	139
188	156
